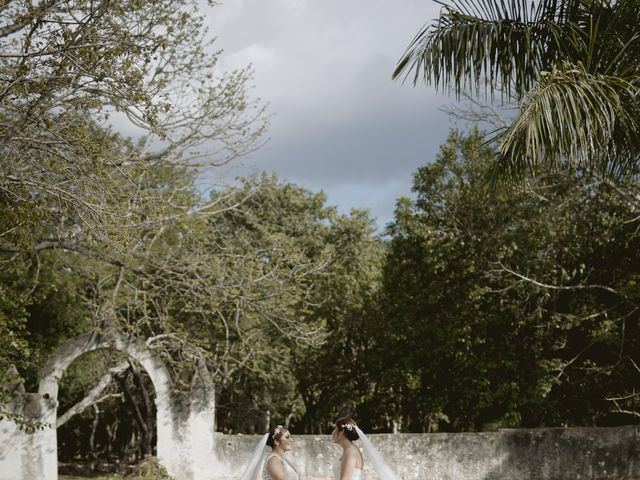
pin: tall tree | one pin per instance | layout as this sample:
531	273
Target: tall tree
330	263
111	214
347	303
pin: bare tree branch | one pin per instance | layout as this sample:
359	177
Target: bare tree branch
93	397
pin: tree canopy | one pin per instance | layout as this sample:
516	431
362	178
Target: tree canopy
476	309
508	308
87	213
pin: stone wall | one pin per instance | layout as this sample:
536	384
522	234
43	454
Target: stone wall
537	454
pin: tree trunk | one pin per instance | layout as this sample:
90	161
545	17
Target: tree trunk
145	418
149	417
138	417
92	437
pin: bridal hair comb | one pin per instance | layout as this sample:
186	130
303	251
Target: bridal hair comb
277	431
349	427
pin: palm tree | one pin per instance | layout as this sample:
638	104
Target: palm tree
573	66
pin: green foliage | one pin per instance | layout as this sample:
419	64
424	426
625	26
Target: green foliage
150	469
484	309
70	185
347	304
97	231
506	308
320	268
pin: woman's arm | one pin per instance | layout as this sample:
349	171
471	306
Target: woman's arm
275	468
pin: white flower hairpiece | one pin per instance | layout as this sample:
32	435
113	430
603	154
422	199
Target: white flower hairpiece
277	431
349	427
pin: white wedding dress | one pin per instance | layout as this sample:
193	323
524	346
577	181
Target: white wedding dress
356	473
288	469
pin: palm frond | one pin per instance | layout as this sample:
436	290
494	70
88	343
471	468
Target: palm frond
601	34
482	42
575	119
573	65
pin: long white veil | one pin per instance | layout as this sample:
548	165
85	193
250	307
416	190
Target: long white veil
379	465
251	471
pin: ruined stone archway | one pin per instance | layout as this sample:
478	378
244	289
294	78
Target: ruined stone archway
184	431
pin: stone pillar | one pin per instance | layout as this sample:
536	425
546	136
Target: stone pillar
191	455
199	431
20	450
12	463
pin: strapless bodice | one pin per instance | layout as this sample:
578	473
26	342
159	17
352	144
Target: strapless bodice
356	473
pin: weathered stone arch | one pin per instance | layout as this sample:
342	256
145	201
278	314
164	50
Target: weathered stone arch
185	429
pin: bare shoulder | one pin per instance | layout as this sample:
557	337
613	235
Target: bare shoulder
352	457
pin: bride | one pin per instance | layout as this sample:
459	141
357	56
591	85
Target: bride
351	462
350	465
276	466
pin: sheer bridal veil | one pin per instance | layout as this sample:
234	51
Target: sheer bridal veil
379	465
251	471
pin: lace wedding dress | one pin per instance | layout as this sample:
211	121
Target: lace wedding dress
288	469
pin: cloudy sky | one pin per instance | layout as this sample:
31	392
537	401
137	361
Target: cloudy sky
324	67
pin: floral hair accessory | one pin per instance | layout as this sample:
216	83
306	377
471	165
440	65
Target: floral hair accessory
349	427
277	431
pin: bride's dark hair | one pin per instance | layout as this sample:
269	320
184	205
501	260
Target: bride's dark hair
347	425
345	421
275	434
